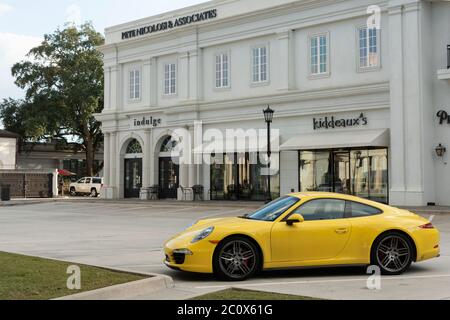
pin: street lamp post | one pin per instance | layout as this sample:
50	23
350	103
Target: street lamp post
268	116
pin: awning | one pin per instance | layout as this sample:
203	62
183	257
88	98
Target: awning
338	139
65	173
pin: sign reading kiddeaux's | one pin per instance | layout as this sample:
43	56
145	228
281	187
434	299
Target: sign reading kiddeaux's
170	24
332	122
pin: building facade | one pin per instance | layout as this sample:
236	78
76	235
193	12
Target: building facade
8	150
360	90
52	155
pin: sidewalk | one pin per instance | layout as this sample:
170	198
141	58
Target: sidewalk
228	204
231	204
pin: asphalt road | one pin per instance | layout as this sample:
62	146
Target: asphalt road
129	236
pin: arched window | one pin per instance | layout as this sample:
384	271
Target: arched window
134	147
168	145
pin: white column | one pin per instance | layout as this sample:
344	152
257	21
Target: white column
192	167
145	166
153	82
200	82
146	82
55	184
184	166
206	172
193	75
396	170
114	169
106	161
114	88
183	85
107	93
286	68
153	161
198	157
407	106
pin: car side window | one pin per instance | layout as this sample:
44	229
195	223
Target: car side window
96	180
322	209
88	180
357	209
82	180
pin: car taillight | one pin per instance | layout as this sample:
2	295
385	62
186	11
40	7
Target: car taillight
427	226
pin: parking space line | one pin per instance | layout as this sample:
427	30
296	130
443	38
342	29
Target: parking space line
323	281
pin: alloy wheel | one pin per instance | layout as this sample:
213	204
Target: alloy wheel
237	259
393	253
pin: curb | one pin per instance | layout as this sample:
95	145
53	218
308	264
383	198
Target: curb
126	290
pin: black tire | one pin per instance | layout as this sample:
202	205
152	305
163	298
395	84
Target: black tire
73	192
94	193
236	267
393	253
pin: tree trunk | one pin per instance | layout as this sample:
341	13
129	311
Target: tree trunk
89	156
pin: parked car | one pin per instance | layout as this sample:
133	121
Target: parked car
305	230
87	185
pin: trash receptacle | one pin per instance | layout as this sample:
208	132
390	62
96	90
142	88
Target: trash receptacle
5	192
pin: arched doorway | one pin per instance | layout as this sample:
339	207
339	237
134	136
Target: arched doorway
133	169
169	170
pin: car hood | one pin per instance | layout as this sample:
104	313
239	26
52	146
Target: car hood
228	223
218	222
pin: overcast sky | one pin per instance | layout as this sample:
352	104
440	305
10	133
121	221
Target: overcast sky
23	24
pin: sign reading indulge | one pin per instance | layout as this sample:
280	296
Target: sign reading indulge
146	122
166	25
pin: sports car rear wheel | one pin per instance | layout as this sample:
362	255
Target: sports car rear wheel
393	253
237	259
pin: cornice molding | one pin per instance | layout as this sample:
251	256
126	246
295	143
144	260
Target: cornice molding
197	107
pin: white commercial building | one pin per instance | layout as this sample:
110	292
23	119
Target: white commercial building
360	89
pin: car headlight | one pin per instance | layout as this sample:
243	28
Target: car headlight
203	234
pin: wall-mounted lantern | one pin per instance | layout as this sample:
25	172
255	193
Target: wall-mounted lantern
440	150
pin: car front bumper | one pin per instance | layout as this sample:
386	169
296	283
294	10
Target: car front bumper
200	258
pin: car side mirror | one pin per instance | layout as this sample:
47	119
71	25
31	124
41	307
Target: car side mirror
295	218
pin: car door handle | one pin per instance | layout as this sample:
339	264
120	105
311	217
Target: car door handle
341	230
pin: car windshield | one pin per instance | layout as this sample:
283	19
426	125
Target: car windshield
274	209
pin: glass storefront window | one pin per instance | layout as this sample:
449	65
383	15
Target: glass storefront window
239	176
378	186
360	172
315	171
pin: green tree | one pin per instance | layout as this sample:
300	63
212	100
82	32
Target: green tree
63	80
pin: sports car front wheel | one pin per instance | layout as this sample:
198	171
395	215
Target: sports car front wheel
393	253
236	259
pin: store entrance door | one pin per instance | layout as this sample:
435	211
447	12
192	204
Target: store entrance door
133	177
168	178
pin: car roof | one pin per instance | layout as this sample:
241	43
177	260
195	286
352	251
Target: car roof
315	195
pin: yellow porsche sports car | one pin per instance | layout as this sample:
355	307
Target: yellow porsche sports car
305	230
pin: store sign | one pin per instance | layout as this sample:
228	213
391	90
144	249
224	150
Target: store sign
146	121
170	24
333	122
443	117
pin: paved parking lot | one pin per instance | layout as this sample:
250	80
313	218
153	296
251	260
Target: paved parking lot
130	235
